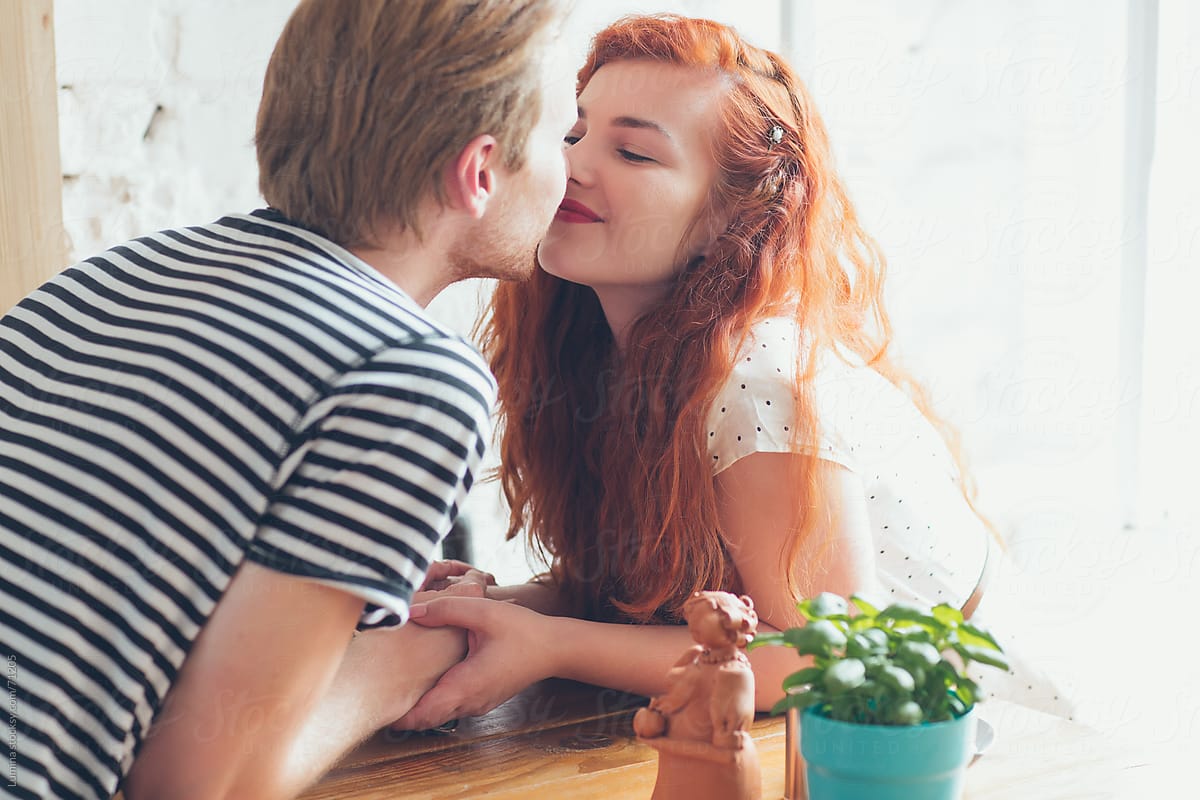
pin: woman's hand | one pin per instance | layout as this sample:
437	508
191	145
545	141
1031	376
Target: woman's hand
507	650
443	575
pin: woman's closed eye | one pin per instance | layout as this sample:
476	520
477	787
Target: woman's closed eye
632	157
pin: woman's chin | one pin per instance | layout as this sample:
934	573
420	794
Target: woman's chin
576	260
550	256
544	264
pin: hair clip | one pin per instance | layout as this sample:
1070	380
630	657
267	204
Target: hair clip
775	136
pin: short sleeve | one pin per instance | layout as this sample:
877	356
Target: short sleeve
380	467
755	411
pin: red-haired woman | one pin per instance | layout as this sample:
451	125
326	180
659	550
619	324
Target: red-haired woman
696	390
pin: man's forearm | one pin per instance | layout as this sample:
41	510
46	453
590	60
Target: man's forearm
383	675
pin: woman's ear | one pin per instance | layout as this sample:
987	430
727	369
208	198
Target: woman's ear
470	178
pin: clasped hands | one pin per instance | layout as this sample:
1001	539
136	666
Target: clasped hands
506	646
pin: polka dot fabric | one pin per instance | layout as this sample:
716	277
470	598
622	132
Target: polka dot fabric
929	545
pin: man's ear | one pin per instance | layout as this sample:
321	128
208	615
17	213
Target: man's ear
470	179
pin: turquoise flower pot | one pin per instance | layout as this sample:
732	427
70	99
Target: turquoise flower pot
847	761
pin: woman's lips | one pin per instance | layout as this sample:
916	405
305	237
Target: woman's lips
576	212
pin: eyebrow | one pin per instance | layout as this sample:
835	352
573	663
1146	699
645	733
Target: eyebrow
632	122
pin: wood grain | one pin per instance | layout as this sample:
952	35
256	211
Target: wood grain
559	740
1041	757
570	741
32	242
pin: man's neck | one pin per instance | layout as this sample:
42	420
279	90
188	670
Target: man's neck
420	267
417	273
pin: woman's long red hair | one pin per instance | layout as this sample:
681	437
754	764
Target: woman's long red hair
603	455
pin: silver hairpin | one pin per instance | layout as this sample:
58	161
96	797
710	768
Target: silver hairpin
775	135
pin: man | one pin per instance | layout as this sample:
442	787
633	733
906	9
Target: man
223	448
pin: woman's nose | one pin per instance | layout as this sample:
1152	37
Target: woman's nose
578	164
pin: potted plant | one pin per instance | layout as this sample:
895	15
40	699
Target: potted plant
887	709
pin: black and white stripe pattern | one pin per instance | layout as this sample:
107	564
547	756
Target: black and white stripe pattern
244	389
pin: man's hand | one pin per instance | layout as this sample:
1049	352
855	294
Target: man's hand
401	664
507	648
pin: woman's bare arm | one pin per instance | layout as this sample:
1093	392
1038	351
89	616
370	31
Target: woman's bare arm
513	647
539	593
756	503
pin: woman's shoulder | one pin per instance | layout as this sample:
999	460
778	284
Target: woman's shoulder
764	368
768	358
755	411
855	406
775	352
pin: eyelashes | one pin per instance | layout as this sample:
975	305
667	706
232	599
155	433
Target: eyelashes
633	158
627	155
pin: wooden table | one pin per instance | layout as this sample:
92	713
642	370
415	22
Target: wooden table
569	741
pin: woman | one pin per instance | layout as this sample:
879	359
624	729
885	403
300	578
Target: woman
696	390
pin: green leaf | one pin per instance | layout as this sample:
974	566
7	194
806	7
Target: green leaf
969	634
802	678
947	672
906	713
896	678
824	606
918	674
879	639
819	637
875	661
907	612
861	623
913	633
861	644
922	654
842	676
863	606
800	700
764	639
983	655
948	615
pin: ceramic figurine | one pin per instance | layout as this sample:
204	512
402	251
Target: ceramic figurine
699	727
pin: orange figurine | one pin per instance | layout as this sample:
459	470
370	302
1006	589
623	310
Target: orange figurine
699	726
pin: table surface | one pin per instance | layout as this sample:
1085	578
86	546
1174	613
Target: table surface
569	741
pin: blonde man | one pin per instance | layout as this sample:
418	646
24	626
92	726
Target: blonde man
224	448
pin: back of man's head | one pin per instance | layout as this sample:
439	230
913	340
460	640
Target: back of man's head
365	101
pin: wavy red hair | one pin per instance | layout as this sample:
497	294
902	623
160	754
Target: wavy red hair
603	455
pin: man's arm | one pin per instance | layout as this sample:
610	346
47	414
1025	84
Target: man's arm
273	691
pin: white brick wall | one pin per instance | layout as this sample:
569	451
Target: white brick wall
156	111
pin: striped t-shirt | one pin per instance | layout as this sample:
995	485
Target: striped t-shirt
245	389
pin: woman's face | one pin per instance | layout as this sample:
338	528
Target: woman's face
641	167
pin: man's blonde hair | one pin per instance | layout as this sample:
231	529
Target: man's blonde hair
366	101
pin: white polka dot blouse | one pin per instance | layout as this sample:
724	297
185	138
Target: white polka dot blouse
929	546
